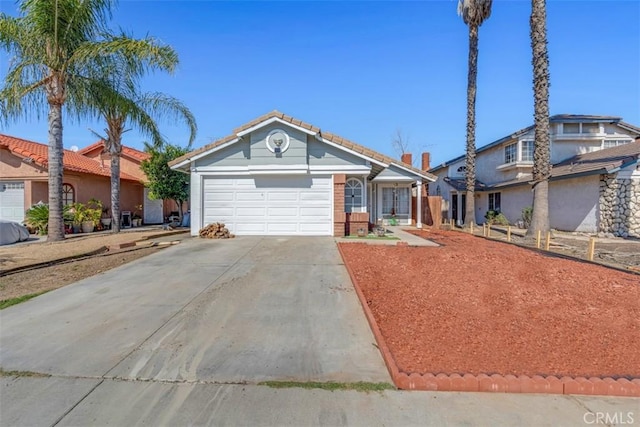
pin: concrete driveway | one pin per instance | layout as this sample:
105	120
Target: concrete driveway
182	336
243	310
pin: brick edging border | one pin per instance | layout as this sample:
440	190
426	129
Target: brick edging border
490	383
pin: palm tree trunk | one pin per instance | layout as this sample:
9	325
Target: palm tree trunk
541	154
115	187
470	174
56	170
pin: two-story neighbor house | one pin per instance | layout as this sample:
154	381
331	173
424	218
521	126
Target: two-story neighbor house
594	185
278	175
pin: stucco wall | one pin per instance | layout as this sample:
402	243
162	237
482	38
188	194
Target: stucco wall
573	204
12	166
512	201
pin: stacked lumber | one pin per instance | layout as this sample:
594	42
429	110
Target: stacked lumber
216	230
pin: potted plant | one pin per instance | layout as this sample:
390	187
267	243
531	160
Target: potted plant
93	214
105	219
136	219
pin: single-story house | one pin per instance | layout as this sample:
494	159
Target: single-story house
24	178
277	175
594	184
153	211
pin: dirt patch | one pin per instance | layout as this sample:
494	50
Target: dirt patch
28	253
54	277
478	306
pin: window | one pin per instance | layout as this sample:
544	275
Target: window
462	169
609	143
68	194
353	195
494	202
396	201
527	151
510	153
571	128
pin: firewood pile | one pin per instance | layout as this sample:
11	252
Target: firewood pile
216	230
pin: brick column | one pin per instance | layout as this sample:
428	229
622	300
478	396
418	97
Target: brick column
339	217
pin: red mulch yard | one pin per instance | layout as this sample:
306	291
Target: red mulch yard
478	306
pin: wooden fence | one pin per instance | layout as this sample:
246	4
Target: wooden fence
431	210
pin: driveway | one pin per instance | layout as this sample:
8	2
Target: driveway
248	309
178	338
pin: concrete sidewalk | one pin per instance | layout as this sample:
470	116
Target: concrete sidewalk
83	401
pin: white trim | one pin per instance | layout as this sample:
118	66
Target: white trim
413	172
341	169
393	179
333	206
355	153
277	168
274	120
419	204
205	153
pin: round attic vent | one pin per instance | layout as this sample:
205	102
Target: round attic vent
277	141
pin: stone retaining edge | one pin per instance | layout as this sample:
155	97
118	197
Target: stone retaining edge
490	383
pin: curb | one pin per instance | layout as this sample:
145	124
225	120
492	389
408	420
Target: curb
490	383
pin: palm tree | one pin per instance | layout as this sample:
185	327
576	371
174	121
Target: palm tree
474	13
118	99
541	153
54	45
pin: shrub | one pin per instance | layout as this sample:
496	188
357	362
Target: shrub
527	213
495	217
37	217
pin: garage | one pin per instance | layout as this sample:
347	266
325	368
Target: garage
12	201
270	205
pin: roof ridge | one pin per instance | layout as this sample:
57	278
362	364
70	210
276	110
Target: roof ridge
332	137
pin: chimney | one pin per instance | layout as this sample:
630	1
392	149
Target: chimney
406	159
426	158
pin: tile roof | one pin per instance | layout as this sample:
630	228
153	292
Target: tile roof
73	162
326	135
127	151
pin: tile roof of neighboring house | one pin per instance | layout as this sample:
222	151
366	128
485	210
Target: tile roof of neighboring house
326	135
73	162
595	162
558	118
127	151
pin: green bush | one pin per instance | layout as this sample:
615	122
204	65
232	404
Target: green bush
37	217
527	213
495	217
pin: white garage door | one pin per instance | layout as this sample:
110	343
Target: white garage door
12	201
299	205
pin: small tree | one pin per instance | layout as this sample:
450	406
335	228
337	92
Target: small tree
164	182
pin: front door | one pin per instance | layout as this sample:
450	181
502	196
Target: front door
396	204
454	207
464	207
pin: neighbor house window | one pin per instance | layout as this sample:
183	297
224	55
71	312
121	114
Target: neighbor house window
610	143
571	128
526	154
511	153
68	194
353	195
494	202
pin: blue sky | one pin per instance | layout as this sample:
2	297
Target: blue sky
364	69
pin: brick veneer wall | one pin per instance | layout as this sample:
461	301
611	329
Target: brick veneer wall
356	220
339	217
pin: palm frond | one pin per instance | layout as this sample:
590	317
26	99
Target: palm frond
474	12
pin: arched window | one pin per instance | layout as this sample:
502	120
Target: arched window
68	194
353	195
